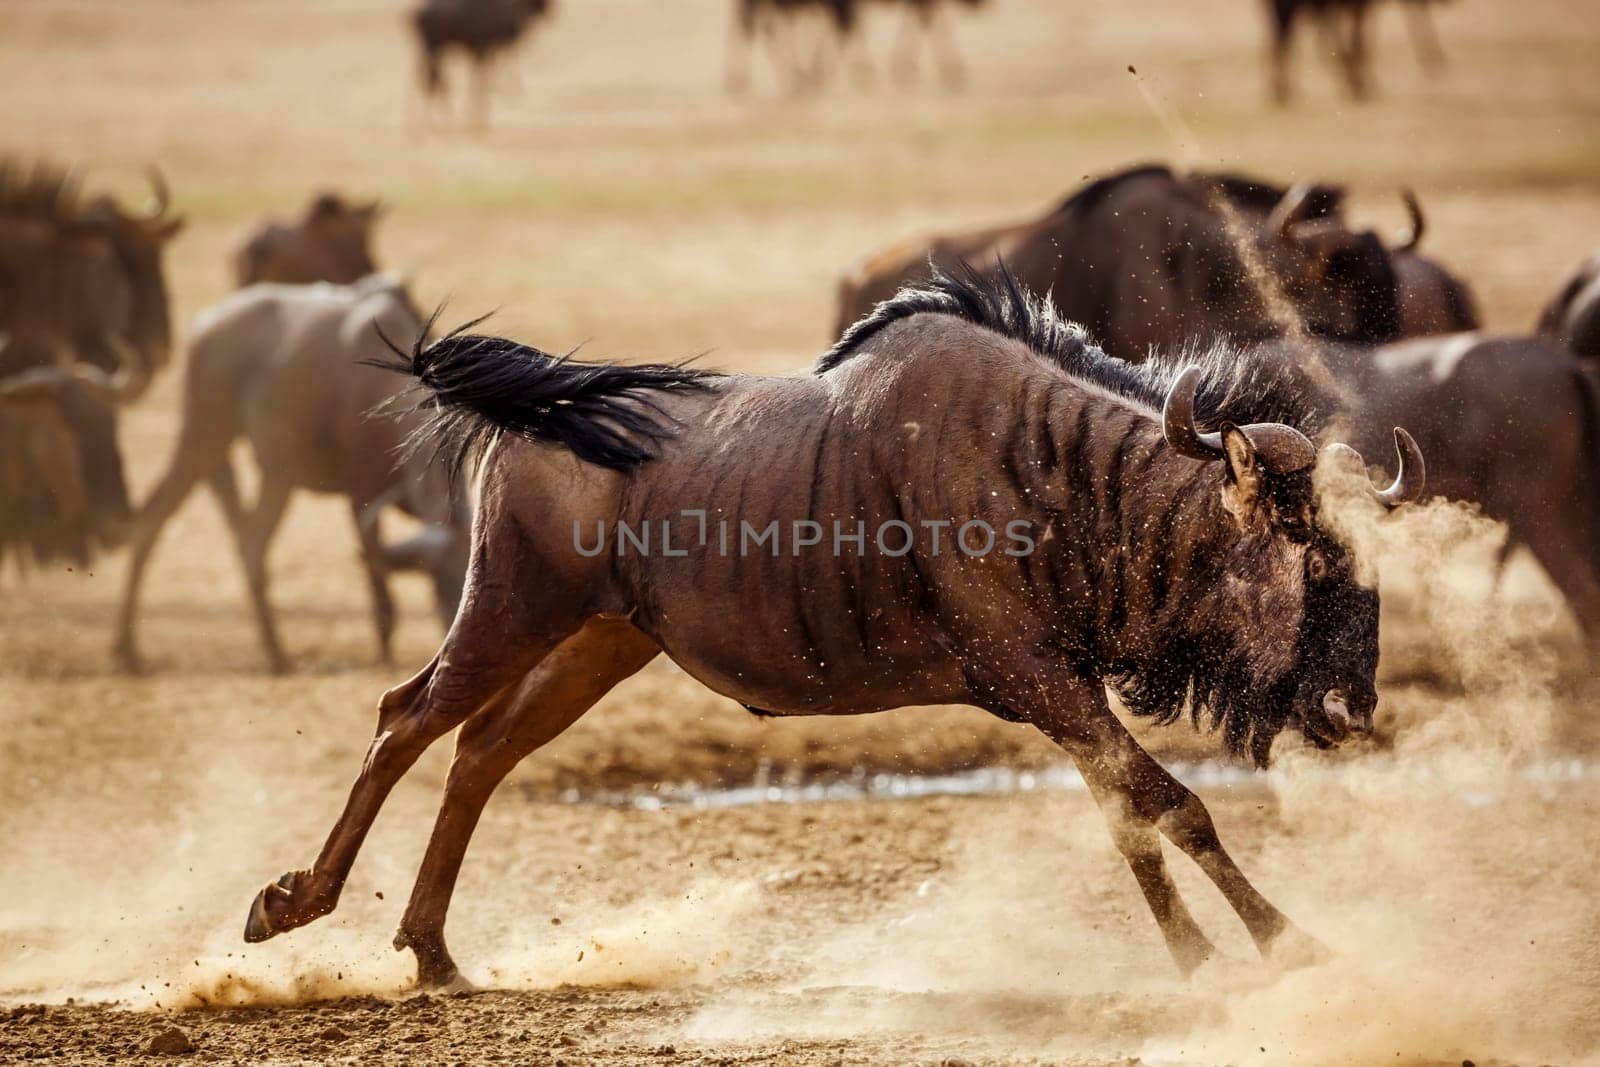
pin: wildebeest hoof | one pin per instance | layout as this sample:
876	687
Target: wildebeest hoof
273	911
1294	948
127	659
1191	955
436	971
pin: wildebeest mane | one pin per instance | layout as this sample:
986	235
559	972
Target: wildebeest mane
1208	671
474	388
1238	384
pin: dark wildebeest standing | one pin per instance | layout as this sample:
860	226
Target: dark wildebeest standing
62	491
1432	300
484	29
1147	259
285	366
83	275
1344	28
1573	317
83	326
781	24
1182	568
332	242
927	21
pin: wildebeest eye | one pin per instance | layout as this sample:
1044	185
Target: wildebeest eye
1316	565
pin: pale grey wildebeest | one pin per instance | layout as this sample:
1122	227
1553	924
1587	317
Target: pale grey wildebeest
1183	567
286	367
331	242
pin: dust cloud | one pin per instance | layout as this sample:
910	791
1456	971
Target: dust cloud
1446	871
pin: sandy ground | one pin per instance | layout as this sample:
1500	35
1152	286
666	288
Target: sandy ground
622	199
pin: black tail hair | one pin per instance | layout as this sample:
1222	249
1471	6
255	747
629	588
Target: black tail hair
475	388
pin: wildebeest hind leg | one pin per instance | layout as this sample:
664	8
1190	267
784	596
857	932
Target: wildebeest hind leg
485	653
552	697
255	538
189	465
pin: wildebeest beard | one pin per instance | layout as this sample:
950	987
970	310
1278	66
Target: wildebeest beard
1262	644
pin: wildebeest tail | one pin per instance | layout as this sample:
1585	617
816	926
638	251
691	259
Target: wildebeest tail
475	387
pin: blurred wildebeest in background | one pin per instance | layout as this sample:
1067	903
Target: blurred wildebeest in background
83	276
483	29
1573	317
838	35
789	28
1508	423
84	325
1343	25
1186	569
1146	258
286	367
62	491
1431	299
332	242
926	21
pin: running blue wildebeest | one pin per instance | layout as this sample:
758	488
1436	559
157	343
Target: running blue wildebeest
1178	556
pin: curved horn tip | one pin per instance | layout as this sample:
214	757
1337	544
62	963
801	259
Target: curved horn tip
162	194
1419	224
1291	208
1412	475
1177	419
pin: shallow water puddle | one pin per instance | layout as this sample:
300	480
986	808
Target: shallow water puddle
1484	787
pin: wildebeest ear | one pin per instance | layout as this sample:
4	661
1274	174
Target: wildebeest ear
1244	468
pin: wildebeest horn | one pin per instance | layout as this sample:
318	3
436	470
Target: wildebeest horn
1419	225
1283	449
1412	475
1295	206
1408	480
161	195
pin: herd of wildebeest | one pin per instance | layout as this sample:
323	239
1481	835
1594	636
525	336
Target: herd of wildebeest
1156	382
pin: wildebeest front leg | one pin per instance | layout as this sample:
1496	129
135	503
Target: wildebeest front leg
1132	787
377	577
552	697
1139	798
1085	728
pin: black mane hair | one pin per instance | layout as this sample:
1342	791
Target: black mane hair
1241	385
474	388
1207	671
